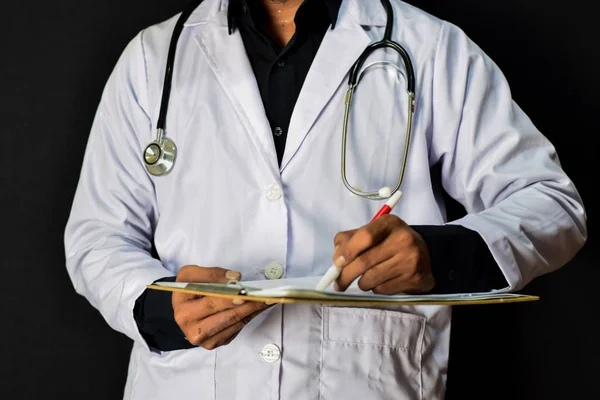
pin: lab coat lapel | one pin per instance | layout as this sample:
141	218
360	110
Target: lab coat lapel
227	57
340	49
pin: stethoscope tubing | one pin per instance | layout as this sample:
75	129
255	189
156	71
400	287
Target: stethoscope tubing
159	156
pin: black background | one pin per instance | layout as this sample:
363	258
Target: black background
56	57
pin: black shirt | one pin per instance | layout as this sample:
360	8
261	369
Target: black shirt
280	72
461	261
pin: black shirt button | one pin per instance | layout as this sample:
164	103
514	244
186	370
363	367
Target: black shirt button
451	275
278	131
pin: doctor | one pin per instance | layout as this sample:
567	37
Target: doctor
256	111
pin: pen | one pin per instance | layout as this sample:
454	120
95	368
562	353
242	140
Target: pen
333	272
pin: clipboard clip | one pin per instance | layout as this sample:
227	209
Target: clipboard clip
232	287
242	290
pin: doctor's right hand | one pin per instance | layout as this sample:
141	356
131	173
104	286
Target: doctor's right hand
211	322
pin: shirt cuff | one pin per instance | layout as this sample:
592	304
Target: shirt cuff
461	262
153	314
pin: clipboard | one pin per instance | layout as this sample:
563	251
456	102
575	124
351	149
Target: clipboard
299	291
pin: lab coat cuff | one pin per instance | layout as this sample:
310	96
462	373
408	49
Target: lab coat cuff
461	261
135	284
499	247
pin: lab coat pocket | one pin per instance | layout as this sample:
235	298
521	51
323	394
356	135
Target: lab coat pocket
371	354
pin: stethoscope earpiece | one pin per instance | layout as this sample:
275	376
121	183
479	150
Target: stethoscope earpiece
385	192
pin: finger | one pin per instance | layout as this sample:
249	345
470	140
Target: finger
404	260
192	311
387	270
400	284
363	239
409	263
192	273
227	335
363	263
210	326
343	237
339	240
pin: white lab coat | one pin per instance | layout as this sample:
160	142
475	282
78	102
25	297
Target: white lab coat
227	202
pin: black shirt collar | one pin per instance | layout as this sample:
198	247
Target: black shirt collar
238	7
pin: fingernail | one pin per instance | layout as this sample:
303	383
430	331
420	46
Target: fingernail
238	302
270	303
233	275
340	261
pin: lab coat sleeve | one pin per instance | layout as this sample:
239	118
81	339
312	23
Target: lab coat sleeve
496	163
109	233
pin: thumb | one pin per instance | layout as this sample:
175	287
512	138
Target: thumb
194	273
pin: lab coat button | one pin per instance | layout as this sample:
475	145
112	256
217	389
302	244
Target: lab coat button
270	353
274	271
274	192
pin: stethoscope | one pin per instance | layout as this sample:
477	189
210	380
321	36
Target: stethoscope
160	155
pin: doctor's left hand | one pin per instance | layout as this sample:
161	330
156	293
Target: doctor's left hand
211	322
388	256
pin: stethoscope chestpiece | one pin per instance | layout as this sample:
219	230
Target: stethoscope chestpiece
159	156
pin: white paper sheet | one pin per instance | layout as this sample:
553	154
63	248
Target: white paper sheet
305	288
